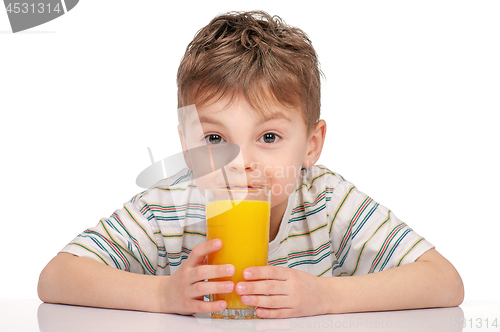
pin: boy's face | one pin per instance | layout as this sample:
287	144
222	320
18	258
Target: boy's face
273	147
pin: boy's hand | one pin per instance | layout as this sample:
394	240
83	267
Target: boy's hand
288	292
183	292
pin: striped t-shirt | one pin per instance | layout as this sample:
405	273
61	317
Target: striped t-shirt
329	229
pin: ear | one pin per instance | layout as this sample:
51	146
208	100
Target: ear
315	144
187	159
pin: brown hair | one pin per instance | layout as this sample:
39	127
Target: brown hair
256	55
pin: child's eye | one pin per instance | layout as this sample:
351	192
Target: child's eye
269	138
214	139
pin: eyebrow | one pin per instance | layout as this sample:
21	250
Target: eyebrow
264	118
274	116
207	119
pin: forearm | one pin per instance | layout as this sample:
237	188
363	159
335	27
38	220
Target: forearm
429	282
76	280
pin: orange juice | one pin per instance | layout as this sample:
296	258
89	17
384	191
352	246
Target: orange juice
244	231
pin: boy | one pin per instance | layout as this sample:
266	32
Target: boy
255	83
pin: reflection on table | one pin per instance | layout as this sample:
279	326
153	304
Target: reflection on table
55	318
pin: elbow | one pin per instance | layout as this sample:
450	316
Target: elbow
453	287
448	289
42	285
50	279
45	281
458	291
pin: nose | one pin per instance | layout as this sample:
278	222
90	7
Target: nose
244	162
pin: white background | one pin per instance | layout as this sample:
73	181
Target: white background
411	99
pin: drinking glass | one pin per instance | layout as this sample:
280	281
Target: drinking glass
240	218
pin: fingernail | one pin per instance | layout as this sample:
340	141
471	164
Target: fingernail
247	274
217	243
240	288
230	270
229	286
222	304
245	299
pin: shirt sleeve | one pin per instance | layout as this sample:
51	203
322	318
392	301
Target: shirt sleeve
127	240
367	237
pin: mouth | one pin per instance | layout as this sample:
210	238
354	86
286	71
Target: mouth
236	187
243	187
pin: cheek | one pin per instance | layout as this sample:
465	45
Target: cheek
283	180
280	169
206	181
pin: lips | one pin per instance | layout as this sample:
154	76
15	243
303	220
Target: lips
246	187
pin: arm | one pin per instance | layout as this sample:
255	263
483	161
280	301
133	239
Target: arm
430	281
83	281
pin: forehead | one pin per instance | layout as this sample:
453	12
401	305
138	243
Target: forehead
265	111
208	117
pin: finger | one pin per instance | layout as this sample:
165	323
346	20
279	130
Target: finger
266	301
272	287
210	287
203	272
206	306
266	272
200	251
274	313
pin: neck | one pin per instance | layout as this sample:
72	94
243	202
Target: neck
277	213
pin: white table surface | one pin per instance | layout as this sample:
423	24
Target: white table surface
33	315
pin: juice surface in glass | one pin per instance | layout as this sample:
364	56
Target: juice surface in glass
244	231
